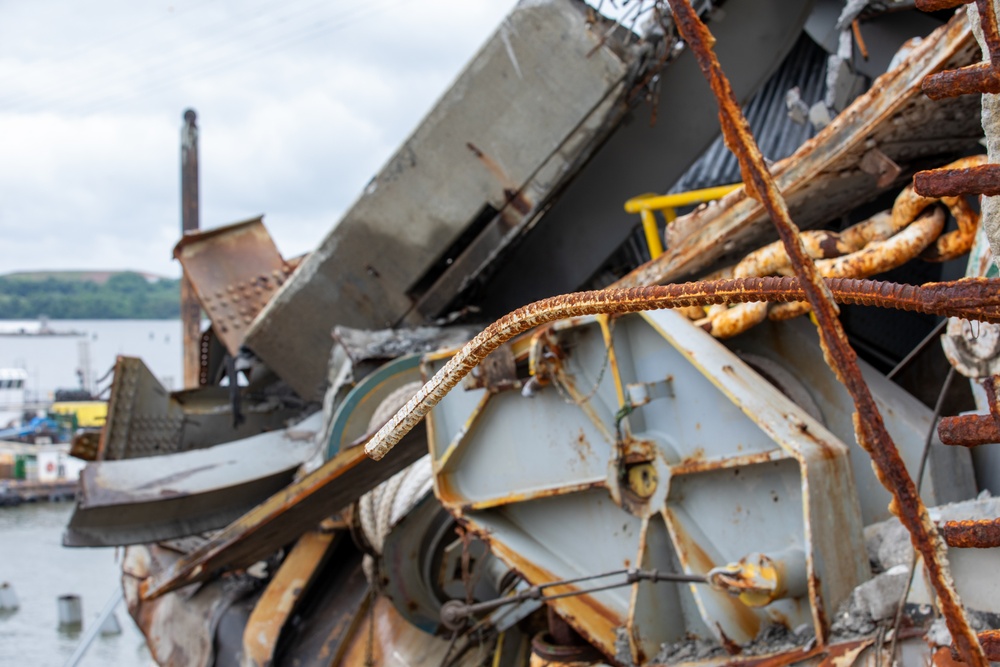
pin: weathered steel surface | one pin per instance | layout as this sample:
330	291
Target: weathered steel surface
282	596
179	628
146	420
789	356
823	178
392	636
333	610
234	271
286	515
454	169
133	501
871	433
718	487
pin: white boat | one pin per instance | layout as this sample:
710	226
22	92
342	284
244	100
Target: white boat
12	395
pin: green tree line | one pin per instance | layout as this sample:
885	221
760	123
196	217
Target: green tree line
122	296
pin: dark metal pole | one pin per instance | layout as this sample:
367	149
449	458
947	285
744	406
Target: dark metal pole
190	310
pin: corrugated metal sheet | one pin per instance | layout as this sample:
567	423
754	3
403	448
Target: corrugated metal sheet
777	135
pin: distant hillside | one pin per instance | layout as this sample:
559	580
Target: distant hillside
99	277
88	295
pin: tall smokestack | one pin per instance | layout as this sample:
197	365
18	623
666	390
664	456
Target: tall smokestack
190	310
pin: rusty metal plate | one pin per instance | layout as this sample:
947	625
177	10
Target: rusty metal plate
136	500
146	420
234	270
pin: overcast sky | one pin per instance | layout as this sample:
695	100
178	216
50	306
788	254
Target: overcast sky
299	103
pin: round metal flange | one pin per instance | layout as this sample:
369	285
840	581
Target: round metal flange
350	421
544	646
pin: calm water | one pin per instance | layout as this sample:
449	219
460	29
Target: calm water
40	569
32	557
52	361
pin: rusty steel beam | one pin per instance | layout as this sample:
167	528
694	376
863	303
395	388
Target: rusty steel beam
190	309
982	180
233	271
978	534
870	428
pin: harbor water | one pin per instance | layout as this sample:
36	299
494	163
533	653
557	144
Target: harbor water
32	558
34	562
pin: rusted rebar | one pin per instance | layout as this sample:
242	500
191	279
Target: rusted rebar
991	644
968	430
938	5
955	299
869	426
981	180
975	430
979	534
979	78
990	641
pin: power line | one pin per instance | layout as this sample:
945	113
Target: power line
219	38
250	55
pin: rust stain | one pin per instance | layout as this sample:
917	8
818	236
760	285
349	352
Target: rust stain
699	562
583	448
699	463
511	192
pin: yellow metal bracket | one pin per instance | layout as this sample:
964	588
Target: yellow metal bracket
646	205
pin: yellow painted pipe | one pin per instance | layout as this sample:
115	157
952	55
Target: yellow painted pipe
657	202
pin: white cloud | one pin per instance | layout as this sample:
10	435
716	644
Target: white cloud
299	104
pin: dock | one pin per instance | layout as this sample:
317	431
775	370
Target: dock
17	491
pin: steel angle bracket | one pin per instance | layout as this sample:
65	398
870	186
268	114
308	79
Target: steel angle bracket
714	468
